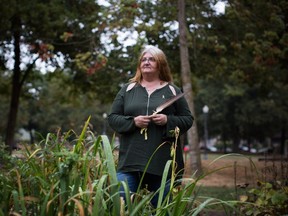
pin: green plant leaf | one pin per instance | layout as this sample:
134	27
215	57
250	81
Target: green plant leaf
279	198
112	174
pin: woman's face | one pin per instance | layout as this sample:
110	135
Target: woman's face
148	64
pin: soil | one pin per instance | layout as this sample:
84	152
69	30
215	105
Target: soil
241	171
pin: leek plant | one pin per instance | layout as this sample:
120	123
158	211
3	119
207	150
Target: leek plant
67	174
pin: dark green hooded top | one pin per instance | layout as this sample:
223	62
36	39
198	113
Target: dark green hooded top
134	152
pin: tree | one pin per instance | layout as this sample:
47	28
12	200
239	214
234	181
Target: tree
245	60
195	160
66	27
59	108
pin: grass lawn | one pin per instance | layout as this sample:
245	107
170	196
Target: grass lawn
219	193
223	193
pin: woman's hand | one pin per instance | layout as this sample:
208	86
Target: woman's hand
142	121
159	119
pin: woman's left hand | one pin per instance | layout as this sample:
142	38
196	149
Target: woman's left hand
159	119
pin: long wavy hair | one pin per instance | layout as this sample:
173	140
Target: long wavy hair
162	64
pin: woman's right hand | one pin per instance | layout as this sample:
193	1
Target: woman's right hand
142	121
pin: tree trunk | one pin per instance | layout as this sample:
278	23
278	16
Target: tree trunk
16	86
283	139
194	160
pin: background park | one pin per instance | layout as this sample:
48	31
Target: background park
62	63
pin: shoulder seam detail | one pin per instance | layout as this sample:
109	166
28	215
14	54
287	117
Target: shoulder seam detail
130	86
172	89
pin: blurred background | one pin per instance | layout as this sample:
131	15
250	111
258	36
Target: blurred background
63	61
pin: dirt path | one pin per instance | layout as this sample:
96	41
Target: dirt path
241	170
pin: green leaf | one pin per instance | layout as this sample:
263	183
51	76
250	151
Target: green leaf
279	198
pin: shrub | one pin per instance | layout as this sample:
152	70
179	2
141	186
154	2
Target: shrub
64	176
269	198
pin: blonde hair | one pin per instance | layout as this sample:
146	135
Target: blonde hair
162	64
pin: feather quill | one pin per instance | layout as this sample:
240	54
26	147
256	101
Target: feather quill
168	103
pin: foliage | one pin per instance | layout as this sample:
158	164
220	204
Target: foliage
64	177
68	176
58	177
51	27
267	199
54	32
242	72
55	104
238	60
269	196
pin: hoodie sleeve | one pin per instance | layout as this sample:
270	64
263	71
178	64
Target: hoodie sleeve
116	119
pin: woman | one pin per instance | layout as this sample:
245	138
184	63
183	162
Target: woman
142	132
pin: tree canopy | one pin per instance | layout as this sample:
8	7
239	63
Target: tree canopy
238	61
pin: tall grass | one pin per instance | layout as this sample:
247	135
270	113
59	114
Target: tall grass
67	174
62	177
